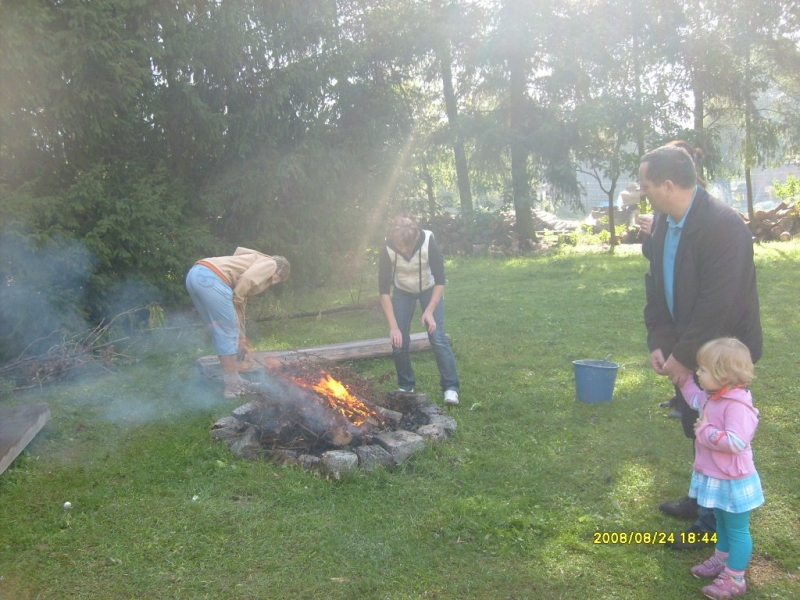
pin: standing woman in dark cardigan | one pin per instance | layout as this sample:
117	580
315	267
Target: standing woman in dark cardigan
412	263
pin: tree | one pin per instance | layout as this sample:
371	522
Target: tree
620	106
146	133
736	53
527	120
445	16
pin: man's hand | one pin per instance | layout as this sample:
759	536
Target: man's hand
657	361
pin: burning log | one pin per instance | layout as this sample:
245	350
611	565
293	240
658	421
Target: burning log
300	409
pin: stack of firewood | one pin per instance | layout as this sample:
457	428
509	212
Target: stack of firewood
780	223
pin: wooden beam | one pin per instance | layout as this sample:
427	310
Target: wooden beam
375	348
18	426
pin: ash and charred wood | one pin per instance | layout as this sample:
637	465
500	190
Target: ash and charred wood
285	427
302	437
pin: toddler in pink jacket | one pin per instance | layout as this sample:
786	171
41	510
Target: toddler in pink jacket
725	477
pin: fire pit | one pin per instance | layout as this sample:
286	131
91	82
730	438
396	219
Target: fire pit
328	419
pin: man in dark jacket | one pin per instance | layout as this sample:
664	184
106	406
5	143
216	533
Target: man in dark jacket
701	285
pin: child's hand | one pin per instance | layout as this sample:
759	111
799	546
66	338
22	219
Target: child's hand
701	420
681	378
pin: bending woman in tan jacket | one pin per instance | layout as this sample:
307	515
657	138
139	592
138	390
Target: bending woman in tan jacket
219	288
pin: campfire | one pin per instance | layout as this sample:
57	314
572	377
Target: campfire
329	417
342	401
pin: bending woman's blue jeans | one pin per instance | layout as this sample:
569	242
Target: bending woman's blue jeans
213	299
404	304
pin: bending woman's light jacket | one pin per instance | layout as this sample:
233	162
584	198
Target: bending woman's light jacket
248	272
722	443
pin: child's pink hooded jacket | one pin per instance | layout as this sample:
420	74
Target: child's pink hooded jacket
722	444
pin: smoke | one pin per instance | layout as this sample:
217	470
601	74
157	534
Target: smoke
41	290
149	373
45	299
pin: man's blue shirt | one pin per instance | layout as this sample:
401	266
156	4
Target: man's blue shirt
671	242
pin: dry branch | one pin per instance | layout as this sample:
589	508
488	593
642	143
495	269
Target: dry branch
73	353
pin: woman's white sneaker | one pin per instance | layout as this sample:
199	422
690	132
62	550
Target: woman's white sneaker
451	397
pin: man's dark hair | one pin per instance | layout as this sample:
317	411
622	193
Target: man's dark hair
673	163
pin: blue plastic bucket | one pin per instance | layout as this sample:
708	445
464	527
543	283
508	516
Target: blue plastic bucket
594	380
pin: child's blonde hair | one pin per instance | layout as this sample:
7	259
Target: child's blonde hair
727	360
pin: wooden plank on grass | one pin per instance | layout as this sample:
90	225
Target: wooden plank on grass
18	426
375	348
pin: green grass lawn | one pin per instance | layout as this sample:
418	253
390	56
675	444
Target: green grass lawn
507	509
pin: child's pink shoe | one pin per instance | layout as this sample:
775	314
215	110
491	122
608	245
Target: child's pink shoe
725	587
709	569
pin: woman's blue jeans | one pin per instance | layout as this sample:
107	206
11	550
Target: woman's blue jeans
404	304
213	299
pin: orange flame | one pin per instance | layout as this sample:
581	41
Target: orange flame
341	400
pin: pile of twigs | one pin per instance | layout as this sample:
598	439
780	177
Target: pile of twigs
71	354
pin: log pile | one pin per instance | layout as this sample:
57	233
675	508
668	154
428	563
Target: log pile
780	223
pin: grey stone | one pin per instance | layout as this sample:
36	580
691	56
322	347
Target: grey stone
436	415
401	444
309	461
339	461
391	416
285	456
226	428
242	412
434	432
405	402
373	457
247	445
